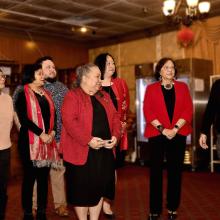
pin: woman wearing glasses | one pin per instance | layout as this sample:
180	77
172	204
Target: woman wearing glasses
6	121
168	118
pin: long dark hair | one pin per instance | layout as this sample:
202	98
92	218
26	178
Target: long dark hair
100	61
28	73
160	64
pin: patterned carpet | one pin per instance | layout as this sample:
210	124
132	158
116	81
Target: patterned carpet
200	196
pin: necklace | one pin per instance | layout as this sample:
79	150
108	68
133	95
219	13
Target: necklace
39	92
168	86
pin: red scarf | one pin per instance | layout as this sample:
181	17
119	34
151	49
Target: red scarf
41	154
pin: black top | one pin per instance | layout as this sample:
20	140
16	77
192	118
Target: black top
212	111
110	91
26	123
100	125
169	98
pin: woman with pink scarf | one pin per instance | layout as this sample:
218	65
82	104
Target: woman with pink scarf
37	147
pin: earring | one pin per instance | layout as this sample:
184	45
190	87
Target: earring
160	78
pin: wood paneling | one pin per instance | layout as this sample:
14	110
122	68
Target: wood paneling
22	50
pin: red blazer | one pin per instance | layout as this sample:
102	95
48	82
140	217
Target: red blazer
77	114
155	108
120	90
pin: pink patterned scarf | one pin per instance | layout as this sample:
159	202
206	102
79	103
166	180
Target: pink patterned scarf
41	154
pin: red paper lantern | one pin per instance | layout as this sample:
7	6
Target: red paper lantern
185	36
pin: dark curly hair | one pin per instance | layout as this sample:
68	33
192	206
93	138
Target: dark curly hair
160	64
42	59
100	61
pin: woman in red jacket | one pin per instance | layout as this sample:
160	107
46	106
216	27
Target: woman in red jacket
118	91
91	129
168	111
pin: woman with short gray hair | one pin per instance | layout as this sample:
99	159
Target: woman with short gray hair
91	129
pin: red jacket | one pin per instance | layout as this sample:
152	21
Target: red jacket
77	113
120	90
155	108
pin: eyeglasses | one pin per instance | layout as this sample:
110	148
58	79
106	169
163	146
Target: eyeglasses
2	76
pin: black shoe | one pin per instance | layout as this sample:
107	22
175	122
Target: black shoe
109	216
154	217
172	215
28	216
41	216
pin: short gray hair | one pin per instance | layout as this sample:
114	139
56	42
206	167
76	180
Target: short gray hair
82	71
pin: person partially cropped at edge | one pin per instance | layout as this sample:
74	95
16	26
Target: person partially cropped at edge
90	131
211	117
36	143
6	122
168	112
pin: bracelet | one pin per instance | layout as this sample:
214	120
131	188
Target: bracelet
160	128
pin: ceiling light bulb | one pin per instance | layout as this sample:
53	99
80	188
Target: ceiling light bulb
192	3
169	7
204	7
83	29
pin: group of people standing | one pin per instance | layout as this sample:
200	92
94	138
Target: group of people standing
77	128
80	132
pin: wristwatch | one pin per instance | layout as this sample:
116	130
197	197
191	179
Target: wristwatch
160	128
177	127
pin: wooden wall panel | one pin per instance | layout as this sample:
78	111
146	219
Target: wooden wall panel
112	49
216	58
65	53
137	52
170	47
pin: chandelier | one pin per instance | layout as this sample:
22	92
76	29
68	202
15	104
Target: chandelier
194	9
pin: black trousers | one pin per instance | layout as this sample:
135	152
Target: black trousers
4	174
173	150
31	174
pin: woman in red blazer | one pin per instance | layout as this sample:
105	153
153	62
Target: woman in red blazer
168	111
91	129
118	91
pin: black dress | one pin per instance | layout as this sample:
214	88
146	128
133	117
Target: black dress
86	184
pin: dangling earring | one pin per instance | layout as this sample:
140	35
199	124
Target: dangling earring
160	78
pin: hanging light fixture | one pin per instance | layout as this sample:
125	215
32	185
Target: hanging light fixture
194	10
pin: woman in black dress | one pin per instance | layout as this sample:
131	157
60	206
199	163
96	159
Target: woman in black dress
91	128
